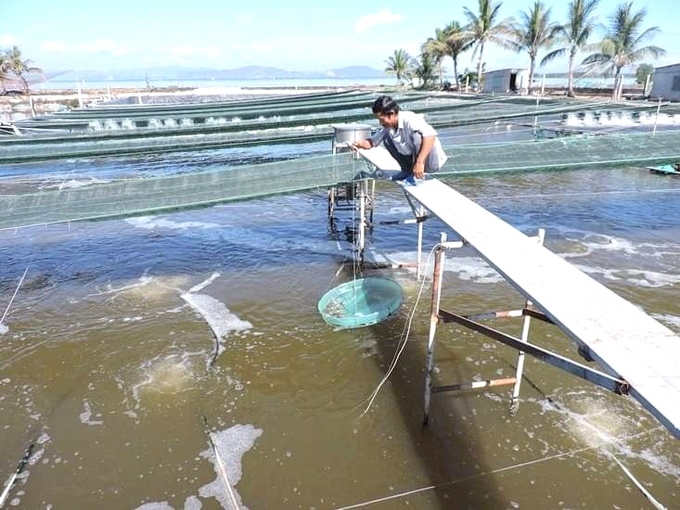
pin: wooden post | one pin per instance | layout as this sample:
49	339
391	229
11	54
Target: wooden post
543	85
514	404
80	95
434	319
644	90
656	119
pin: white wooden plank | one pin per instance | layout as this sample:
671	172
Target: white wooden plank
619	335
379	157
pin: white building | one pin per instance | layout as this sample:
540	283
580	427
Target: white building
507	81
666	83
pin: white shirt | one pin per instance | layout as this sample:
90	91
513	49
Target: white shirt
405	141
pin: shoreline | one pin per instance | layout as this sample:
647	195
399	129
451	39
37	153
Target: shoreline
15	107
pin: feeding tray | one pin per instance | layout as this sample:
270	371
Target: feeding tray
360	302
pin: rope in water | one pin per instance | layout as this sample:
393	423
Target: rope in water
495	471
402	341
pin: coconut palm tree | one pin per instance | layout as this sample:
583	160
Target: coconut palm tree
437	49
574	35
457	43
425	70
485	27
400	64
623	45
18	67
533	32
3	69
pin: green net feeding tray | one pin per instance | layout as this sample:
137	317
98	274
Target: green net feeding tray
360	302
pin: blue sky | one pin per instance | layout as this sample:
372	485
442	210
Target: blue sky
297	35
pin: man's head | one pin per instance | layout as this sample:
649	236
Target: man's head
386	110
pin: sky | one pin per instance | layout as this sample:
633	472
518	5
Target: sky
296	35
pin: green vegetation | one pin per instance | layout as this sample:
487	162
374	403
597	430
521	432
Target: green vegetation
402	65
14	67
622	43
574	35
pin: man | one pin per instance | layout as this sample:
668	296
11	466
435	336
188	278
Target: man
408	138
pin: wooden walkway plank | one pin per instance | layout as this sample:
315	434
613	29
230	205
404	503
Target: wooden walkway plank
627	342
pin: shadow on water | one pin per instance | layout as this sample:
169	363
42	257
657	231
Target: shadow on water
448	447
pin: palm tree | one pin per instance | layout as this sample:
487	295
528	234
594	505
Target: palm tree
574	35
437	49
3	69
623	45
483	28
533	32
425	70
401	64
457	43
18	67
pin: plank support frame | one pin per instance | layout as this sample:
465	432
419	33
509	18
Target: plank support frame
522	345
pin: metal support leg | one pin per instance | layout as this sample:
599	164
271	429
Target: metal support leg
514	404
419	255
362	223
434	318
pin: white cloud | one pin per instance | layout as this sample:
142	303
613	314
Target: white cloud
212	51
8	40
382	17
104	46
54	47
182	50
262	47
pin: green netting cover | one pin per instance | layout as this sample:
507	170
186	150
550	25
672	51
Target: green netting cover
360	302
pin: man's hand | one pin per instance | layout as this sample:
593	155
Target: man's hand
362	144
419	170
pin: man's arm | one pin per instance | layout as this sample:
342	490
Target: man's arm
421	158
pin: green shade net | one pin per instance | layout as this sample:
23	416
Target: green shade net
146	196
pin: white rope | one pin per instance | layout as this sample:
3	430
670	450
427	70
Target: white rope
402	341
14	295
495	471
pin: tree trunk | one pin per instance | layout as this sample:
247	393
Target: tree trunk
570	76
615	90
532	67
455	73
479	69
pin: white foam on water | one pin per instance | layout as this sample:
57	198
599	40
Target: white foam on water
75	183
472	269
220	319
651	279
231	444
156	505
152	222
166	375
147	287
3	329
86	415
205	282
672	321
241	236
604	424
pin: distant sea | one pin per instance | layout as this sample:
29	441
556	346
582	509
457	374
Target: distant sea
252	83
141	84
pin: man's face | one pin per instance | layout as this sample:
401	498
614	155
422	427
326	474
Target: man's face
388	120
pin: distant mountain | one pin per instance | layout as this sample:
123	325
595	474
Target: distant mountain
174	73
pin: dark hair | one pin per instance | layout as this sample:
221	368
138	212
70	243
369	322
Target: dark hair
385	105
